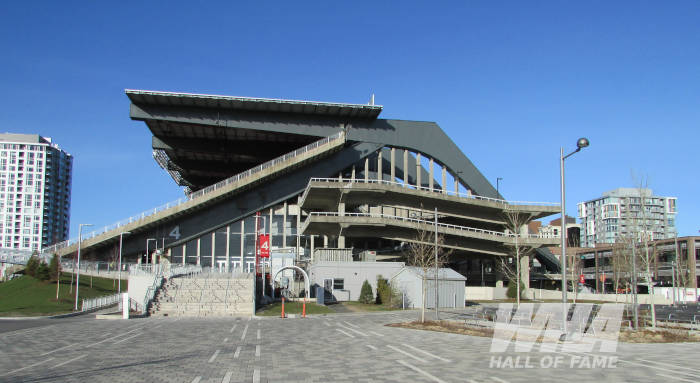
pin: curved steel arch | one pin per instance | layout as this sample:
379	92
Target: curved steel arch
306	279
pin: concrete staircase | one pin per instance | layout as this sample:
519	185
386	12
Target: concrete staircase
205	295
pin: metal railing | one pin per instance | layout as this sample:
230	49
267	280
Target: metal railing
19	256
199	193
99	302
424	188
421	221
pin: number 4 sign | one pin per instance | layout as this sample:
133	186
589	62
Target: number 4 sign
264	249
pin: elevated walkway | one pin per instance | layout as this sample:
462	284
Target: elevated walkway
325	194
406	229
205	295
206	197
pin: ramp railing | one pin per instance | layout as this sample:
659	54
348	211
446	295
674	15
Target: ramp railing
200	193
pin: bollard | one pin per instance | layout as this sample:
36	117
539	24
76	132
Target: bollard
303	310
282	307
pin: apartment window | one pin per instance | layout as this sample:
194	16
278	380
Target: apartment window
338	284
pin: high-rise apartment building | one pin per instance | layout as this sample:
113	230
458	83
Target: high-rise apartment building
625	213
35	189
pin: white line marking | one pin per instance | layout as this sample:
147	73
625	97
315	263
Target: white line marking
257	350
225	340
350	335
370	346
197	379
327	324
227	377
114	337
352	329
245	330
668	365
70	360
418	370
256	376
427	353
258	333
405	353
677	378
213	357
58	349
660	368
499	380
26	367
351	325
125	339
237	353
233	328
376	333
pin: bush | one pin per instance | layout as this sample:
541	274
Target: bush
42	272
512	291
32	266
366	295
54	268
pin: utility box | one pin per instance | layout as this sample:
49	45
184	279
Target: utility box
320	295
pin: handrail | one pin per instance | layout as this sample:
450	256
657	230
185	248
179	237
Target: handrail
95	303
415	220
434	190
199	193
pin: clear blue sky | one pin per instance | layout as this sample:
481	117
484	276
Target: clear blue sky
509	81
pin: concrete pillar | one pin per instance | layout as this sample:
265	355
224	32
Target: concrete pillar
366	169
352	176
228	247
284	221
199	248
379	165
525	272
405	167
270	229
340	176
242	257
299	221
213	249
325	241
597	282
392	160
419	183
341	241
456	184
431	174
341	212
313	237
184	253
692	275
444	179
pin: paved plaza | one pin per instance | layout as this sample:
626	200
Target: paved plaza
333	348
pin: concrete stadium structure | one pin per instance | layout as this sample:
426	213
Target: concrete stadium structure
322	175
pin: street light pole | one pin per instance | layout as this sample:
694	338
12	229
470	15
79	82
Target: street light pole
119	283
437	298
498	180
77	275
580	144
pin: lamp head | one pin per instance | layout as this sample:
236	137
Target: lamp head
582	142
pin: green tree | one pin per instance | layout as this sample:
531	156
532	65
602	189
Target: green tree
512	291
366	295
42	272
383	291
32	266
54	268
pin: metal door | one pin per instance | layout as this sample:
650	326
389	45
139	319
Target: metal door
328	290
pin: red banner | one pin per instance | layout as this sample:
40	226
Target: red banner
264	246
581	279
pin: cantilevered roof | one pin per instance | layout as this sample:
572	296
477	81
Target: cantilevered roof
253	104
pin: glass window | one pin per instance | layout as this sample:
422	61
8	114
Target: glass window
338	284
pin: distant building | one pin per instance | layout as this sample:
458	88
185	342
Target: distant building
626	212
553	230
35	190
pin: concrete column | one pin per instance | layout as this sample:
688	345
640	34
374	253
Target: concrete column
213	249
341	212
352	176
228	247
270	230
405	167
340	176
419	183
184	253
341	241
299	222
444	179
325	241
242	257
597	282
392	172
366	169
199	247
313	237
284	221
431	175
692	275
379	165
456	184
525	272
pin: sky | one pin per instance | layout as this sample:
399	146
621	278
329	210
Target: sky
511	82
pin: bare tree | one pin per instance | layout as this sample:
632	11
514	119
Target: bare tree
113	257
422	255
645	229
518	249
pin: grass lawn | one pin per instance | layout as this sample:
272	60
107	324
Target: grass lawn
27	296
275	309
363	307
